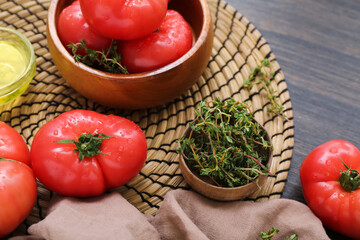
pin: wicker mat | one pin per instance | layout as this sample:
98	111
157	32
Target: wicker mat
238	47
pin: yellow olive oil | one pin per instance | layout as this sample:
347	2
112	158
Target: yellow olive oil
13	62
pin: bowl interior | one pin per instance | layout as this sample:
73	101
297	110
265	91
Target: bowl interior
195	13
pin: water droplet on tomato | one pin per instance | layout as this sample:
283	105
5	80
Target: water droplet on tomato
121	134
56	132
129	140
121	148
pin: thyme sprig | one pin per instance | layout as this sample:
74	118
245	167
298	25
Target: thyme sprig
263	79
109	61
226	144
270	234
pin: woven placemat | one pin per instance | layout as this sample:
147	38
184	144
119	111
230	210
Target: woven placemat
238	47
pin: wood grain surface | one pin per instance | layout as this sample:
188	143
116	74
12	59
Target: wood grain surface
317	44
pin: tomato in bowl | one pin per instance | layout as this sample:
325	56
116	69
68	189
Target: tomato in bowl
144	89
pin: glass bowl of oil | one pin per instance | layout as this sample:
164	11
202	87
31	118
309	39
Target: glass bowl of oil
17	64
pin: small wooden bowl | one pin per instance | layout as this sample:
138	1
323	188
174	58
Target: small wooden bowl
141	90
204	185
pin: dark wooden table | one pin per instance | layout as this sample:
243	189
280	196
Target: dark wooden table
317	44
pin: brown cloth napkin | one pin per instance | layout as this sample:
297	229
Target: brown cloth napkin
182	215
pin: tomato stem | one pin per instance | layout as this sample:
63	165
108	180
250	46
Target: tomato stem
349	179
88	145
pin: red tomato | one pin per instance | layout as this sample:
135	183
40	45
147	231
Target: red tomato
124	19
72	28
12	145
324	191
171	41
108	163
18	194
18	189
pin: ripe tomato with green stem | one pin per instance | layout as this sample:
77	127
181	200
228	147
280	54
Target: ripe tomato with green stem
18	189
331	186
124	19
73	28
168	43
82	153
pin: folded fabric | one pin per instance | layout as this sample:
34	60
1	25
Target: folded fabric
99	218
187	215
182	215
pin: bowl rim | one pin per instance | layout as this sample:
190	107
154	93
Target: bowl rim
52	29
22	79
184	164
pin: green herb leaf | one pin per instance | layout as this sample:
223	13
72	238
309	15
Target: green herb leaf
292	237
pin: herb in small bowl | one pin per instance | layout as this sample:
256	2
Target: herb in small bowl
224	152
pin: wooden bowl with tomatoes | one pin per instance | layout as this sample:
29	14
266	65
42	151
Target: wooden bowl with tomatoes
152	79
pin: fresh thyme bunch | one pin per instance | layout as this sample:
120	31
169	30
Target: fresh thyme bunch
109	61
226	144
